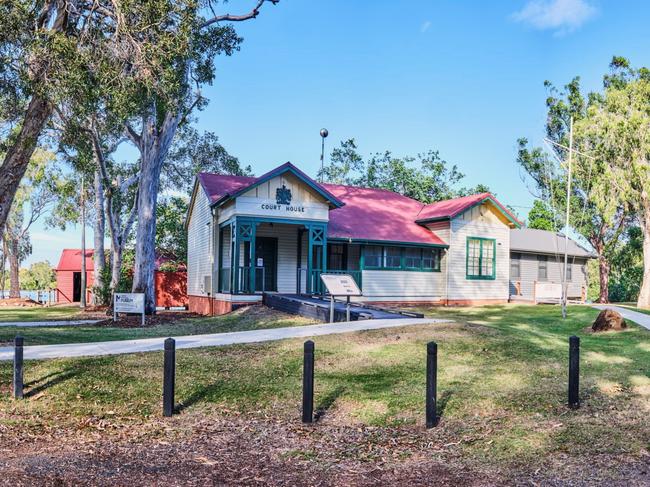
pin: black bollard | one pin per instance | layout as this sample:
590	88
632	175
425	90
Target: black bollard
169	377
18	367
574	372
308	383
432	383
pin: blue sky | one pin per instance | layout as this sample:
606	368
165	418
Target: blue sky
462	77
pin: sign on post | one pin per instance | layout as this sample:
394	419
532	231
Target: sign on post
340	285
128	303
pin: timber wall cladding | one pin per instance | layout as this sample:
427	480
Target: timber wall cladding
528	274
199	263
478	223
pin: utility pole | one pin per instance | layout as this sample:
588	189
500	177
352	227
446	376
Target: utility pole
82	302
566	226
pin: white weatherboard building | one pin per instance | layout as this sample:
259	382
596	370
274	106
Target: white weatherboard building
278	232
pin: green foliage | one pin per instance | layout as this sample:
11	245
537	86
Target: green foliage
171	237
627	267
541	217
39	276
193	153
425	177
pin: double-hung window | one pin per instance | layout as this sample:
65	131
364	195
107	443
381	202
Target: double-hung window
481	258
515	266
542	267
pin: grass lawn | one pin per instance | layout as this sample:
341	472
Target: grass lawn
39	313
245	319
502	393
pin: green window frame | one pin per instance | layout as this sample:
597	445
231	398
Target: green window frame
373	256
395	258
481	258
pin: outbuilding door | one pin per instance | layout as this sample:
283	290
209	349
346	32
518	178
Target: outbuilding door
76	287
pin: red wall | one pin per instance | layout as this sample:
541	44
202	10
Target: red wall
171	289
65	285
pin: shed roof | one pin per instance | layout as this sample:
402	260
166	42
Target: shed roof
544	242
71	260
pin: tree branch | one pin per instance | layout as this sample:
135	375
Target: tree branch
133	135
237	18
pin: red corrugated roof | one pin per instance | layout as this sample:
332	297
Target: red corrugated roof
217	186
71	260
451	208
368	214
377	214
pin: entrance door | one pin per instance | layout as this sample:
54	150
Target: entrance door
266	256
76	287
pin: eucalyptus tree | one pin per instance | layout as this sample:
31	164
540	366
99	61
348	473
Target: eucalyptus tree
199	39
45	46
602	229
617	131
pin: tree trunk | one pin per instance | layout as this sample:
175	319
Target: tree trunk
116	266
99	232
644	293
20	152
154	145
603	272
14	269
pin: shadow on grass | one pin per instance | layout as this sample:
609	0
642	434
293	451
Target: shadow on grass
50	381
196	397
327	401
441	404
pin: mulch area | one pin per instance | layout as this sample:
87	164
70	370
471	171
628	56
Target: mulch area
135	321
217	449
238	451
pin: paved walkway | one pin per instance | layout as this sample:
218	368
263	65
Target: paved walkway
213	340
48	323
640	319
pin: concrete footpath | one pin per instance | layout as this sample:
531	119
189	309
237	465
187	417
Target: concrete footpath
640	319
213	340
30	324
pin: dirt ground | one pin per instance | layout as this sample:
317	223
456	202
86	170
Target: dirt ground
216	449
19	303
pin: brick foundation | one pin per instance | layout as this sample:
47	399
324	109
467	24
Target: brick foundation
207	306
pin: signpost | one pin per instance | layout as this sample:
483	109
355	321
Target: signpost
128	303
340	285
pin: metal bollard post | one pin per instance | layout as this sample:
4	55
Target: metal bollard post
432	385
169	377
308	383
574	372
18	367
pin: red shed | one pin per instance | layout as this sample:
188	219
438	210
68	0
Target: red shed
170	286
68	276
